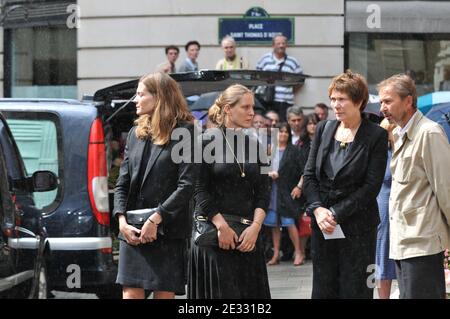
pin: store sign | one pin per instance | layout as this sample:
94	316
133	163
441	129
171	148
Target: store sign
256	27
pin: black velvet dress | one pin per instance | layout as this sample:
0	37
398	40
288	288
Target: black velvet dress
213	272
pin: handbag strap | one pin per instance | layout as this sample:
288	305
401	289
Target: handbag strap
228	218
237	219
282	64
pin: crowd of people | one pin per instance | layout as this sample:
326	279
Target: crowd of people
376	194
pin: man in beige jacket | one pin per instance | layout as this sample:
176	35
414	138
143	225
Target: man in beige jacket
419	205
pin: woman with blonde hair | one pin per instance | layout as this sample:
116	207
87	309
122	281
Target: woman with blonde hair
152	255
231	188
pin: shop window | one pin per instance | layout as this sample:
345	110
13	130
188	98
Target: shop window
43	62
425	57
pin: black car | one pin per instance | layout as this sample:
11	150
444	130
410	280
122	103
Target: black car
82	143
22	238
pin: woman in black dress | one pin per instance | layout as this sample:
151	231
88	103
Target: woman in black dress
342	179
231	186
152	258
286	171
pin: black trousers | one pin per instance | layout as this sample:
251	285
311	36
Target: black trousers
343	268
421	277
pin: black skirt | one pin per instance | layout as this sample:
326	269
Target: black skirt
215	273
156	266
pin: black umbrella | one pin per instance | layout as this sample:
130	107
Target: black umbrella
205	101
440	113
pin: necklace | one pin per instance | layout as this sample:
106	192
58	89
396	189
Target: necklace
232	152
346	137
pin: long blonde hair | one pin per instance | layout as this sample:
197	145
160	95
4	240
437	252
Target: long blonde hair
170	108
231	96
389	127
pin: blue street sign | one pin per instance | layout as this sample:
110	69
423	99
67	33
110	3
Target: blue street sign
256	27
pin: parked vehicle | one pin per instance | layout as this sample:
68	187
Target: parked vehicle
22	238
82	143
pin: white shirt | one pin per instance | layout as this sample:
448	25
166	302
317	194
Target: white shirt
294	138
403	130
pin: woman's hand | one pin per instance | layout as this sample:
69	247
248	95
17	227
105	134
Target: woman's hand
296	192
227	237
148	232
273	175
130	233
247	240
325	220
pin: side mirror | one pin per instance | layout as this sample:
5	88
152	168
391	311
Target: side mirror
44	181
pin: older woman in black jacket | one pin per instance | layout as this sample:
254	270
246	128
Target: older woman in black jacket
153	257
342	179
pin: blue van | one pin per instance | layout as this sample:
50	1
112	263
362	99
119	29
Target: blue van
82	143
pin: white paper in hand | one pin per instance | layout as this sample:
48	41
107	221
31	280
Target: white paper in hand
336	234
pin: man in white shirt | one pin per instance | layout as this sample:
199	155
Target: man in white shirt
295	119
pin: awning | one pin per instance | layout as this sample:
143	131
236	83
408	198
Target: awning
23	13
398	16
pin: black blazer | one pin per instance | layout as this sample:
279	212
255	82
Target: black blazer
289	173
353	191
165	184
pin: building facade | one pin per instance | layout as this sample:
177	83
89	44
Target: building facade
72	48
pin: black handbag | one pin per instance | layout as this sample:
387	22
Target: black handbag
205	233
138	217
266	94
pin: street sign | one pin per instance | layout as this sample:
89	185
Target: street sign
256	27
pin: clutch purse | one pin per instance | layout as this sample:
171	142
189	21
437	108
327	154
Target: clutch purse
138	217
205	233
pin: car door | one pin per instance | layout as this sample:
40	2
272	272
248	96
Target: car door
18	241
7	258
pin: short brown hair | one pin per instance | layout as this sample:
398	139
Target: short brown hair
352	84
403	85
172	47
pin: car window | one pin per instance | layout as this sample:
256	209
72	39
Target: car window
14	165
37	141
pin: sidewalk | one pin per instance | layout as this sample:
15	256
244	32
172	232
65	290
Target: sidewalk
290	282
